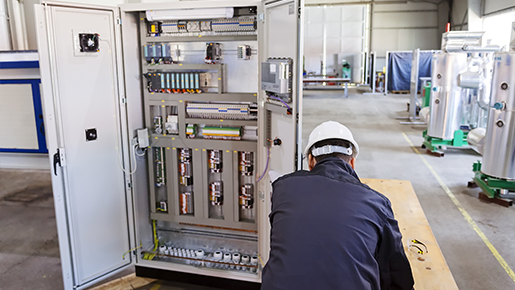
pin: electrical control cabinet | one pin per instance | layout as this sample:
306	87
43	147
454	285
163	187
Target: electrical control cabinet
164	121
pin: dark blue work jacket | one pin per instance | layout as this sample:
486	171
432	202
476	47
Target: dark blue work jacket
330	231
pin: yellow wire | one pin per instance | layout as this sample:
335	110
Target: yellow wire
140	245
259	257
156	240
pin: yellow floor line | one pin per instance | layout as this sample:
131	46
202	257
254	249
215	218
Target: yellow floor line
156	286
465	214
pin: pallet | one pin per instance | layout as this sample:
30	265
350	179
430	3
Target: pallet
128	282
430	270
400	92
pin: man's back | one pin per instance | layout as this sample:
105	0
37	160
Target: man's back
329	231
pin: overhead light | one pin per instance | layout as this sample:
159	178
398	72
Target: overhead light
185	14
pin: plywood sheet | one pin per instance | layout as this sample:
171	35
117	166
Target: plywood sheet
430	270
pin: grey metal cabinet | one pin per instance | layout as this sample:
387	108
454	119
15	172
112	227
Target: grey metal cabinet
216	85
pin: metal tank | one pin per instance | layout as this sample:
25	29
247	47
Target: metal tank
499	150
446	95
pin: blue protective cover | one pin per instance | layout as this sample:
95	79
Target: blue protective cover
399	69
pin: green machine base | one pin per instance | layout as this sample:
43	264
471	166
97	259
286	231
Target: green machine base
435	145
491	186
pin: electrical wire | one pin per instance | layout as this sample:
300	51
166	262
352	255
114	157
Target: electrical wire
280	100
259	257
133	249
266	167
133	156
141	155
115	93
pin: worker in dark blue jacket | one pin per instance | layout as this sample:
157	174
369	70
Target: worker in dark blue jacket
329	230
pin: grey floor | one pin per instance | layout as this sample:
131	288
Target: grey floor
28	239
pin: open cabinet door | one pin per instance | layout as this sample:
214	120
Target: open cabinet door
282	38
86	135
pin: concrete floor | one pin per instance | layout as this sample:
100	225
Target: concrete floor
28	241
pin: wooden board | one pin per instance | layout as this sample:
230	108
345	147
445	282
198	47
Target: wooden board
430	270
128	282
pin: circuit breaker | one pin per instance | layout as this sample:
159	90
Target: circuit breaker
206	101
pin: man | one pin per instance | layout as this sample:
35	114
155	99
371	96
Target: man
330	231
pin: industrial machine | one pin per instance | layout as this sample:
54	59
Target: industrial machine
460	91
495	175
162	123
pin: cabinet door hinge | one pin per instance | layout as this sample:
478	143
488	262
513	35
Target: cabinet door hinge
118	21
261	17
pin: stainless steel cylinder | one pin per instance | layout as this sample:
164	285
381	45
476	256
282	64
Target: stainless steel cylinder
446	95
499	150
469	80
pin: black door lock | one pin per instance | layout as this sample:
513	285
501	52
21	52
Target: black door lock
57	160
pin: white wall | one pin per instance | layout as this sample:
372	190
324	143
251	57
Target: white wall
492	6
497	28
408	26
5	36
334	33
459	20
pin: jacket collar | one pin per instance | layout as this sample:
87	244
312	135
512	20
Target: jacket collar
335	168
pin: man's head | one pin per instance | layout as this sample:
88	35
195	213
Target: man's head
331	139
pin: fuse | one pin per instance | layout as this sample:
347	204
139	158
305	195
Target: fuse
185	155
186	203
246	198
216	193
215	161
246	163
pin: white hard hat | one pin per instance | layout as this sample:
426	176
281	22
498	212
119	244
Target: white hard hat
330	130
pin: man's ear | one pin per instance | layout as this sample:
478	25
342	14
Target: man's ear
352	162
311	161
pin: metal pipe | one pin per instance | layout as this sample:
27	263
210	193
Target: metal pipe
476	139
469	48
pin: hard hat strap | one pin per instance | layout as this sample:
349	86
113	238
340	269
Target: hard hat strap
329	149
